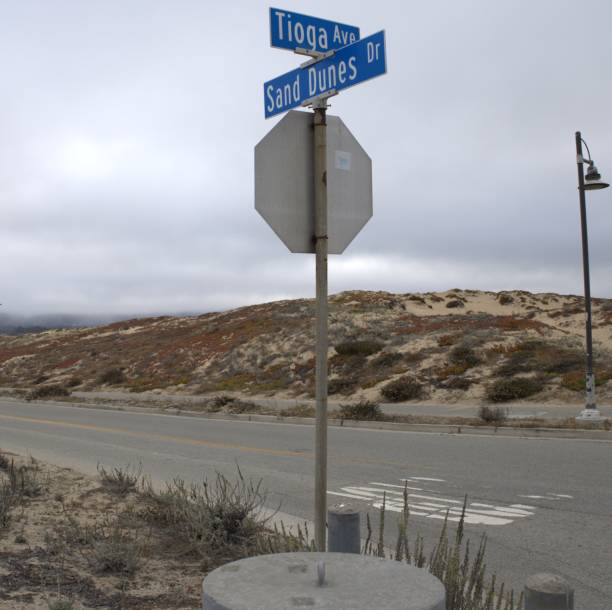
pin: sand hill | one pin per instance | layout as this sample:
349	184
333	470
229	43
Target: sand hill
445	347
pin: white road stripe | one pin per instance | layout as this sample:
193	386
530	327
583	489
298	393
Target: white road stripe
400	486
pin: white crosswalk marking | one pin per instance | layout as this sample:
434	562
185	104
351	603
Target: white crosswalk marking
432	504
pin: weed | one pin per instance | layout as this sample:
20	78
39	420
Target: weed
386	360
120	481
117	552
217	521
463	354
417	299
364	410
514	388
298	411
447	340
404	388
529	356
462	574
456	382
492	415
60	604
242	406
113	376
48	391
358	348
342	385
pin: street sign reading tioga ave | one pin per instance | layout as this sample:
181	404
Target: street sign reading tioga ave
308	35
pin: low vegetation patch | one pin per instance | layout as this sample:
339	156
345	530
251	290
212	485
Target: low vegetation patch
48	391
342	385
514	388
404	388
120	480
114	376
387	360
464	355
298	411
358	348
493	415
364	410
537	356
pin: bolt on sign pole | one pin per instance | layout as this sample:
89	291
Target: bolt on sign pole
320	193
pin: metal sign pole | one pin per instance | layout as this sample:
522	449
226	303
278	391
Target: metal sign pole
320	194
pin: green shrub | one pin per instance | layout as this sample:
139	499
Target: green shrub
220	521
118	552
113	376
73	382
298	411
357	348
514	388
454	303
464	355
120	481
530	356
404	388
341	385
386	360
505	299
456	382
446	340
364	410
493	415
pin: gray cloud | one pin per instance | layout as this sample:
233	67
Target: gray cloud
126	162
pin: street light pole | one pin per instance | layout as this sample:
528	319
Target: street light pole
590	412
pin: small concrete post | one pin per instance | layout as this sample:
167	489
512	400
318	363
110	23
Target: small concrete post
343	534
548	592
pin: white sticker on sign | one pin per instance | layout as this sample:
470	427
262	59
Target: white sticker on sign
343	160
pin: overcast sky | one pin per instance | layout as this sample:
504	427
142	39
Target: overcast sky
127	130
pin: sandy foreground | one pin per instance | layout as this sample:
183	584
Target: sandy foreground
44	558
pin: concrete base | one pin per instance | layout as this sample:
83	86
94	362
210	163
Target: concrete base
591	415
352	582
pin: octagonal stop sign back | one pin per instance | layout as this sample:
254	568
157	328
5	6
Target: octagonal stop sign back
284	183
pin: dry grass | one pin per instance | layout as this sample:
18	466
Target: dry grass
89	547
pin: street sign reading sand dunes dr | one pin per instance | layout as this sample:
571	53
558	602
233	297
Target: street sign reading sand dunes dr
313	180
351	65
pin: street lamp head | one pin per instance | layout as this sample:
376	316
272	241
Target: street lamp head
592	180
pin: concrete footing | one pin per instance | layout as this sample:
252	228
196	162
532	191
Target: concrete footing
349	582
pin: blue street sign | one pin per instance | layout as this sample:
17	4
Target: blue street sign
349	66
293	31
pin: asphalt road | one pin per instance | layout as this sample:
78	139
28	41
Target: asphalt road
545	505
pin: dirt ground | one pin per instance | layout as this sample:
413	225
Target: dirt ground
71	543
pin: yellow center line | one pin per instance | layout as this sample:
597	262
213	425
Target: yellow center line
161	437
